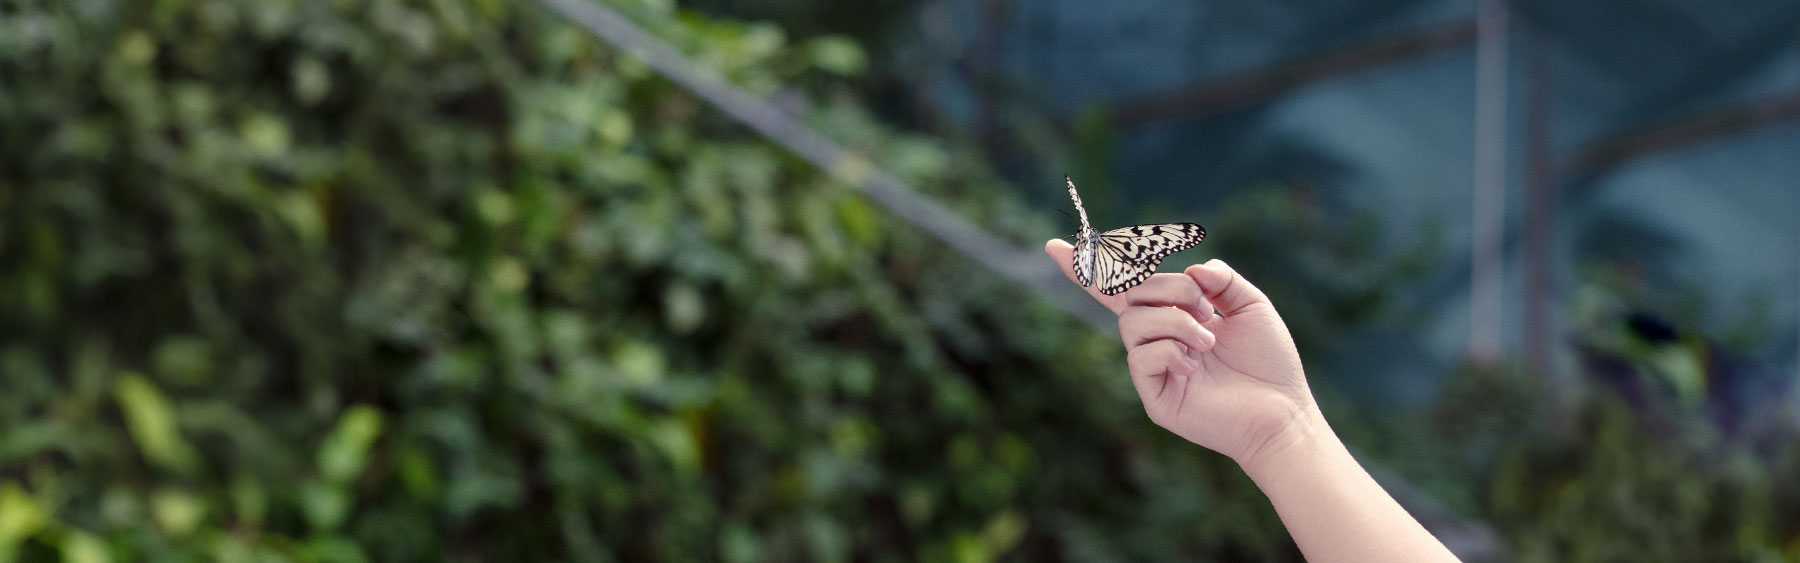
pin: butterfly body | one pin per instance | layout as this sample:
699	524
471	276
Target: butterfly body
1121	258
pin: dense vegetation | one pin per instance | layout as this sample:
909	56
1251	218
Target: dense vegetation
372	280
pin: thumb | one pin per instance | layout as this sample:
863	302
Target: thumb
1228	291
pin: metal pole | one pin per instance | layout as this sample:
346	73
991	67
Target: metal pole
1540	214
1488	223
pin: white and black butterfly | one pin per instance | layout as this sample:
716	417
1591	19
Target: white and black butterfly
1122	258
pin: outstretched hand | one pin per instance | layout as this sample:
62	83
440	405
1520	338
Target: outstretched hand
1229	381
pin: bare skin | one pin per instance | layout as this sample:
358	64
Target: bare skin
1232	382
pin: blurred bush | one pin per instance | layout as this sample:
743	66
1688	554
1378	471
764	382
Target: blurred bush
1655	454
371	280
424	281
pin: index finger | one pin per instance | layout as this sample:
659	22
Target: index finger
1064	254
1160	290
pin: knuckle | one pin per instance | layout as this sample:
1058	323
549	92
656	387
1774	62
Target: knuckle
1161	356
1138	358
1179	366
1136	318
1134	355
1157	416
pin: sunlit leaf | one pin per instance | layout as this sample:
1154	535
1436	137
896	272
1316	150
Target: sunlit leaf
20	515
837	54
178	512
82	547
151	420
265	135
346	449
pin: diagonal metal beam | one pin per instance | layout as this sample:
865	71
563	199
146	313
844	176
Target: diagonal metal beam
1026	266
1233	90
1631	145
1468	539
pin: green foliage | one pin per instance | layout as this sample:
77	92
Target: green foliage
1610	490
422	281
376	280
1612	476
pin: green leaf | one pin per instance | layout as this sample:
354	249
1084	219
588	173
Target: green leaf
20	515
1004	531
311	80
837	54
346	450
640	363
737	544
266	135
859	220
677	444
613	126
301	210
418	474
325	505
683	308
81	547
509	274
231	549
178	512
185	359
152	423
494	206
137	48
249	500
335	549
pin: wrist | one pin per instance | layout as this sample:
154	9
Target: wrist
1304	436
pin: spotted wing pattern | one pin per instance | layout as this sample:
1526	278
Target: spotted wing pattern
1128	256
1121	258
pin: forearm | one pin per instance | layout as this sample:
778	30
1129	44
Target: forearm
1335	511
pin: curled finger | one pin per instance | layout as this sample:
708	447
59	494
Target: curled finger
1139	325
1157	368
1171	290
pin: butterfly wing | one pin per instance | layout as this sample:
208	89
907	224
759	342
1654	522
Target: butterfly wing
1126	257
1086	241
1116	276
1078	207
1086	246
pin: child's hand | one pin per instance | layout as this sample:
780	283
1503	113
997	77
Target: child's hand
1231	383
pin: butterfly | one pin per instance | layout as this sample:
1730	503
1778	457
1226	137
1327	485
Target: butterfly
1121	258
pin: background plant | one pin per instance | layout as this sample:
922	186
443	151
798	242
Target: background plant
391	281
